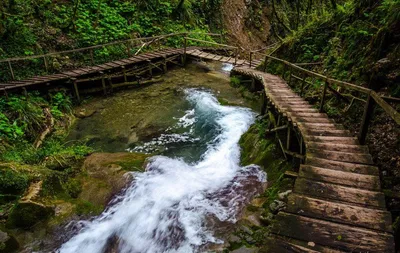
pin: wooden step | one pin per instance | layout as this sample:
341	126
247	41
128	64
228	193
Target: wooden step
279	244
328	132
342	166
340	193
340	212
332	139
338	147
311	119
341	156
311	125
330	234
354	180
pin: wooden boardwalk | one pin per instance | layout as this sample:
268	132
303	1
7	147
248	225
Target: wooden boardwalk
87	71
337	204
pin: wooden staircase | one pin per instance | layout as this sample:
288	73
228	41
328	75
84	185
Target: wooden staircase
337	204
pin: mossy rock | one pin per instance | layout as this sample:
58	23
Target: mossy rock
27	214
12	181
7	243
105	175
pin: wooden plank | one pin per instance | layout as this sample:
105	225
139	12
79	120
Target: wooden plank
326	132
311	119
340	213
338	236
341	156
336	192
338	147
332	139
311	125
368	182
279	244
342	166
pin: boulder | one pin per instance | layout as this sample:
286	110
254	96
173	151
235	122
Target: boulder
277	206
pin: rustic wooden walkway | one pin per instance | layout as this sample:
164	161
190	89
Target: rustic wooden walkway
87	71
337	204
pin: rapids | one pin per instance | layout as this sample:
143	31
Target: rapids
169	207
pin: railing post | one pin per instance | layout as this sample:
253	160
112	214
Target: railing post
76	90
91	57
128	46
251	58
236	55
184	52
321	107
11	70
124	72
265	63
290	75
46	65
367	116
103	83
303	82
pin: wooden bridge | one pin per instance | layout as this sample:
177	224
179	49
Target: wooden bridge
337	204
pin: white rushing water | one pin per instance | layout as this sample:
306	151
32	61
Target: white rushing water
168	207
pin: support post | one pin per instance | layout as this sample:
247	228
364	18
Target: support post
321	107
11	70
251	58
263	103
124	72
46	65
184	52
290	76
253	84
76	90
367	116
103	83
111	84
91	57
165	64
150	68
25	93
288	137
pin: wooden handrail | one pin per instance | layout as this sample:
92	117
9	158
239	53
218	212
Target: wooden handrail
100	46
378	99
212	43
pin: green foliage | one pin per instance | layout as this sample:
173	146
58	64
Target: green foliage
73	187
235	81
12	182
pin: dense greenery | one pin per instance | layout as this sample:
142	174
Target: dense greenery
356	41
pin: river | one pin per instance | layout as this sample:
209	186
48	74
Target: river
195	183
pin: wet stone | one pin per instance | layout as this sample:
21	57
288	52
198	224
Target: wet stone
245	250
277	206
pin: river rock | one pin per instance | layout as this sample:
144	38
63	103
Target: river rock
106	175
277	206
7	243
25	214
267	219
283	195
85	113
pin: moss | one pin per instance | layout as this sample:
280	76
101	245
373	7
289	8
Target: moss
73	187
88	208
133	162
27	214
12	181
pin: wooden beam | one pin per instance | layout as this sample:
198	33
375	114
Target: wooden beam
367	116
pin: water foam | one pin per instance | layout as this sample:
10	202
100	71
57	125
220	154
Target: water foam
166	208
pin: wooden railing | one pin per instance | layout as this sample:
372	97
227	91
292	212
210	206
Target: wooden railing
129	44
373	99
